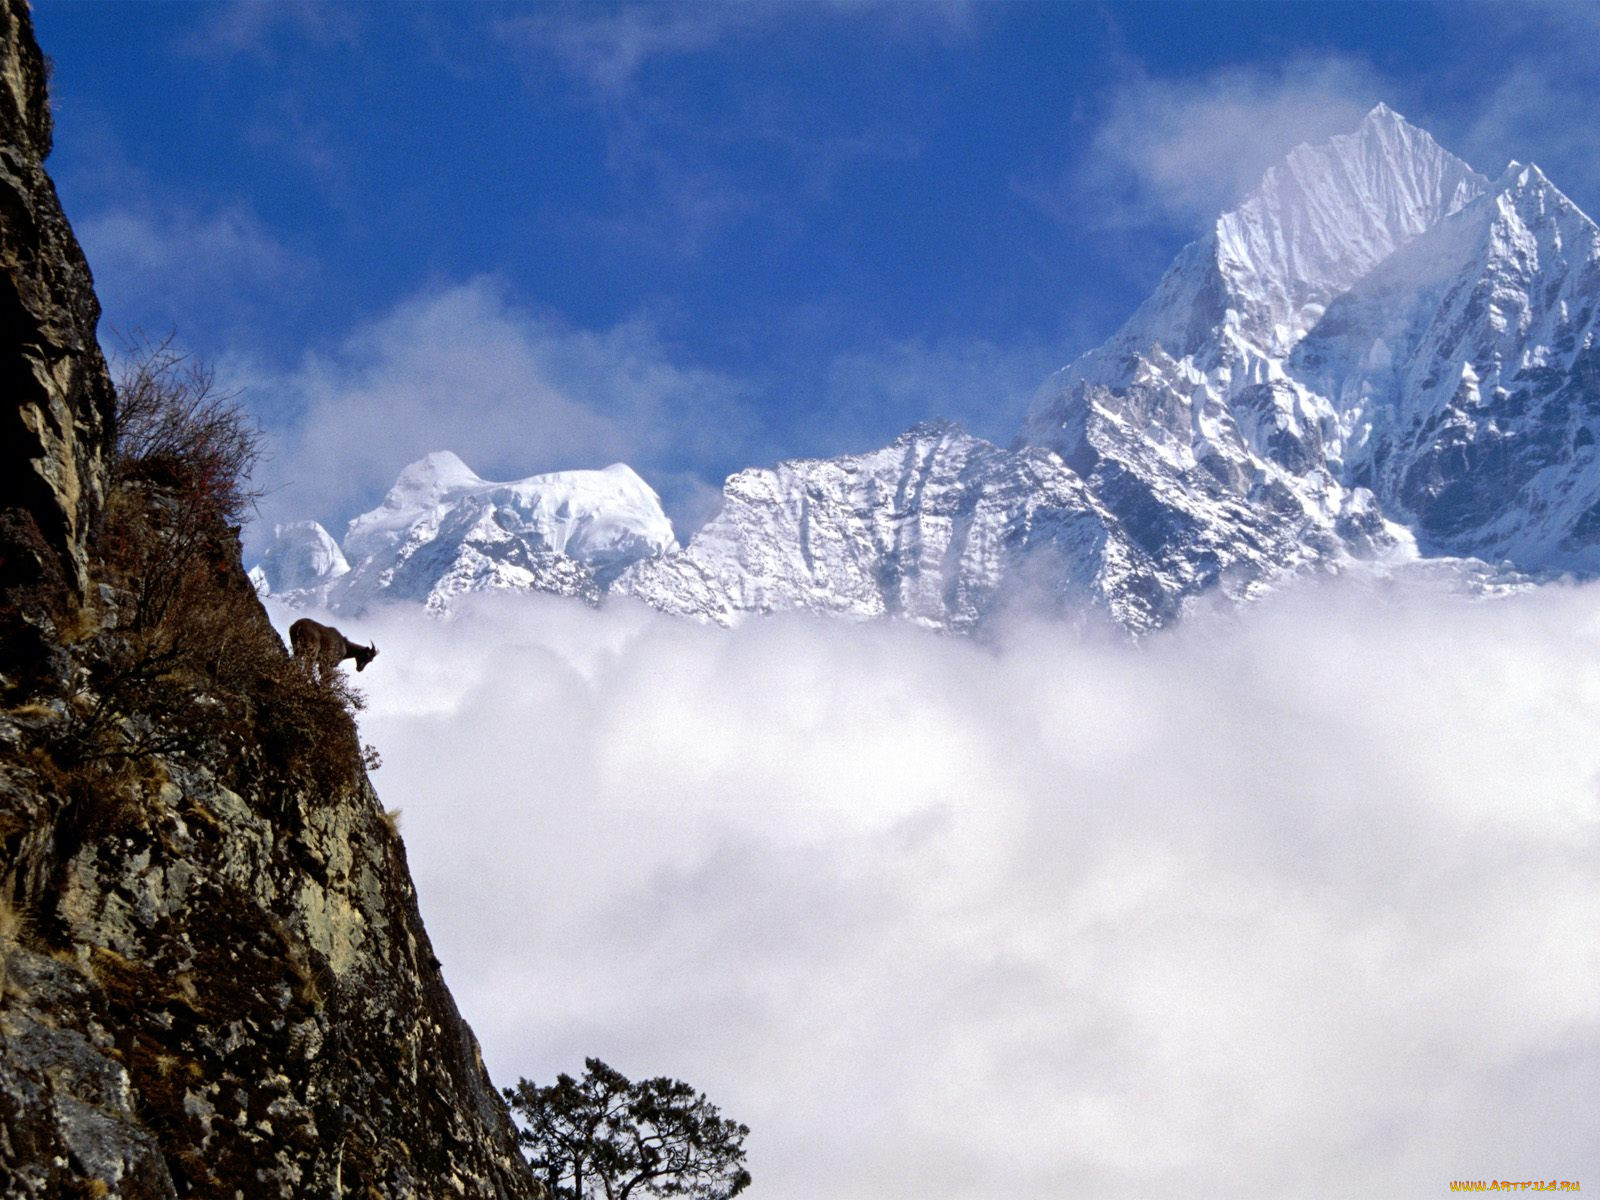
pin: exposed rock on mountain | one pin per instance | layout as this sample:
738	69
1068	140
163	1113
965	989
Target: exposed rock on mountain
58	398
442	532
213	977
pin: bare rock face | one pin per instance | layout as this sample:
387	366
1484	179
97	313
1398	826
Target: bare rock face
54	427
210	991
214	980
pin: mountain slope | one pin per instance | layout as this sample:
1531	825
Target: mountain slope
214	980
1465	377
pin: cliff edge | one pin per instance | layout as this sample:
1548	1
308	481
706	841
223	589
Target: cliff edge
214	980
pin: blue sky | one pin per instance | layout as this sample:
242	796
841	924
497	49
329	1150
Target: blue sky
701	237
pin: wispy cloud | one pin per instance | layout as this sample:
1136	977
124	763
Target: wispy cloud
513	392
262	27
1303	896
184	267
982	385
698	160
1177	152
1540	99
608	47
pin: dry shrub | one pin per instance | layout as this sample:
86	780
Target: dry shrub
186	663
190	448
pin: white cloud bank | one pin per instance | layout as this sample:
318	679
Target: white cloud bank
1302	903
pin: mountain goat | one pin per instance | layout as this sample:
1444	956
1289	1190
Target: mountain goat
320	648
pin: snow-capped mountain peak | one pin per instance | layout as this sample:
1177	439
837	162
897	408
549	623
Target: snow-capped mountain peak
429	479
1378	353
1375	317
1237	300
442	530
1327	215
421	487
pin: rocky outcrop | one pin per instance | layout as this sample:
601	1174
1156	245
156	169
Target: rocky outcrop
55	424
214	980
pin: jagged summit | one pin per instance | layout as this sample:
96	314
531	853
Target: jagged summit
1239	298
1375	319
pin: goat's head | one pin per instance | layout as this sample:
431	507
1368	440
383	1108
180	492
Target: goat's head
363	654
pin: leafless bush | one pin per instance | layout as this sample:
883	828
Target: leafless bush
185	451
171	417
186	662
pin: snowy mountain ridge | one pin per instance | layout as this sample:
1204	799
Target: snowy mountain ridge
934	529
1380	352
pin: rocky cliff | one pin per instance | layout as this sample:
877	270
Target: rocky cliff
55	417
213	977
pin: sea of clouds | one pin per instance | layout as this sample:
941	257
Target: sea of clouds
1299	901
